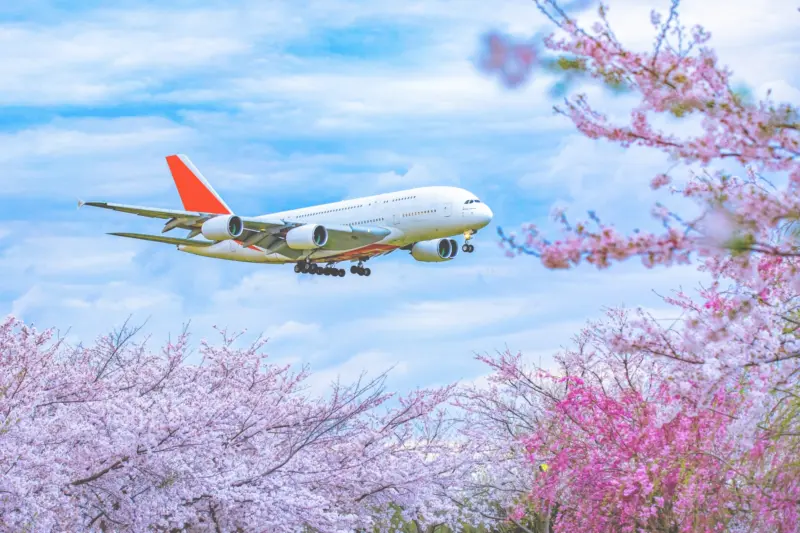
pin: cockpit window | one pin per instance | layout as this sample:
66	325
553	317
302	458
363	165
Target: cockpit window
474	201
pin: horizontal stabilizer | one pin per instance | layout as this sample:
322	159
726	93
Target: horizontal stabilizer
166	240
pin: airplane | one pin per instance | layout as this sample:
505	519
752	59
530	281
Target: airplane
421	221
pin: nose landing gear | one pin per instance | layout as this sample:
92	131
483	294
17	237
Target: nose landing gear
467	248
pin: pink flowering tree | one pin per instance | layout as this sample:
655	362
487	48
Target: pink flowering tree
605	443
116	437
738	213
628	453
498	418
691	426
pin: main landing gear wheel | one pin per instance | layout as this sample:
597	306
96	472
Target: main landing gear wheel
467	248
360	270
328	270
306	267
331	270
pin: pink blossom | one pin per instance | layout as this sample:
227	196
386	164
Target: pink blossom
686	425
114	436
659	181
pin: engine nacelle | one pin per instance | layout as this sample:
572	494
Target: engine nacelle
307	237
434	251
222	228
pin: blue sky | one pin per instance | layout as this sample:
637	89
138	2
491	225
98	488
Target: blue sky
283	104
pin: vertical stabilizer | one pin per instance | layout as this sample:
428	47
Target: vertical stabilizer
195	192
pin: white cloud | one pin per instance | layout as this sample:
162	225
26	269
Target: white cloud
274	128
71	158
598	172
130	54
369	363
118	54
418	175
443	316
89	137
292	329
279	283
403	92
84	303
782	91
272	95
735	24
409	313
348	96
587	175
58	256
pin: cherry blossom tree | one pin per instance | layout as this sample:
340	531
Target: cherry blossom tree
115	437
738	214
626	453
691	426
740	235
498	418
604	443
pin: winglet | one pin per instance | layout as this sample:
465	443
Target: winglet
81	203
195	192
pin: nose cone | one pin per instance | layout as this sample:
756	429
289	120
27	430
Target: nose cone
484	214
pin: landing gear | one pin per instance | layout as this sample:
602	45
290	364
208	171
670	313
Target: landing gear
305	267
467	248
360	270
333	271
330	270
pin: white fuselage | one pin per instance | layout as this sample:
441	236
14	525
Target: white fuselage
411	216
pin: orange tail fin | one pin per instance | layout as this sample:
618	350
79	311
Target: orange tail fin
195	192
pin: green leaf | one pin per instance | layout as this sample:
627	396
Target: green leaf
741	244
567	64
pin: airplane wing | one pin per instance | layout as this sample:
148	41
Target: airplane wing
166	240
254	230
151	212
257	232
181	219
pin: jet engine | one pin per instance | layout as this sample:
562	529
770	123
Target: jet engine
307	237
222	228
435	250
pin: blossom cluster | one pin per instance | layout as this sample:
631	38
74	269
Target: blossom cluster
690	425
116	437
